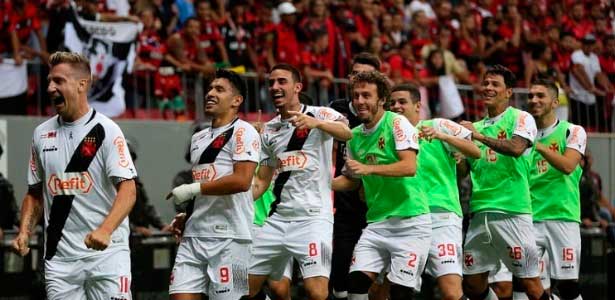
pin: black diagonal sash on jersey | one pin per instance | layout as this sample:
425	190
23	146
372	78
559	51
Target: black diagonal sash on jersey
209	156
62	204
296	143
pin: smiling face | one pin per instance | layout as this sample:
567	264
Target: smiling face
494	90
541	101
67	90
401	103
282	88
366	102
221	98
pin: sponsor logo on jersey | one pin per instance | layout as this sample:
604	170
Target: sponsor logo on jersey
49	134
407	272
239	145
325	114
398	132
451	127
292	161
50	148
448	261
204	173
88	149
71	183
120	144
222	291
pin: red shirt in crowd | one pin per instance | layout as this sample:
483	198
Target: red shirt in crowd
287	45
405	67
210	35
150	48
580	29
24	22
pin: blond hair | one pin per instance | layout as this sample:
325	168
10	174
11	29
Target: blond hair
77	61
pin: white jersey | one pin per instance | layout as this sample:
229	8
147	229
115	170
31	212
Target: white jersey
213	152
78	165
303	163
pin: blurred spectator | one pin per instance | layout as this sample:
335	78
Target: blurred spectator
317	73
287	48
595	208
263	39
420	5
211	39
366	18
143	214
468	37
420	34
237	34
451	65
510	31
607	59
403	65
577	23
154	71
185	11
587	82
318	20
186	51
8	207
25	20
165	12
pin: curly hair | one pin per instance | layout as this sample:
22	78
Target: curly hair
373	77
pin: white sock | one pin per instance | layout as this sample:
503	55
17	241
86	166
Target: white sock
357	296
340	294
520	296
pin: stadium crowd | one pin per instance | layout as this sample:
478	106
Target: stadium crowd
419	41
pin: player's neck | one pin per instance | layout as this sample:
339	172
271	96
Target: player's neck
293	106
497	109
79	112
375	120
414	119
546	120
222	120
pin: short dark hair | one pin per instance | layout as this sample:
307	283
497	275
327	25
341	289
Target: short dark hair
236	81
548	83
413	90
290	68
509	77
373	77
366	58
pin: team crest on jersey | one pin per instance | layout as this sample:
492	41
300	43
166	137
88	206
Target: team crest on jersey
219	141
88	148
554	147
468	260
302	133
502	135
71	183
381	143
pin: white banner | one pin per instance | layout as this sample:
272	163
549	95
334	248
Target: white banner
110	48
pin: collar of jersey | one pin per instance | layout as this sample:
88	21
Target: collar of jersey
303	110
225	127
81	121
548	130
491	121
369	131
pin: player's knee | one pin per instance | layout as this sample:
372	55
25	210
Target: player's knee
452	295
317	293
400	292
358	283
568	289
532	287
474	289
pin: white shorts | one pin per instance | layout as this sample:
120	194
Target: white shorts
288	269
503	274
105	276
562	242
217	267
446	241
278	242
492	237
397	246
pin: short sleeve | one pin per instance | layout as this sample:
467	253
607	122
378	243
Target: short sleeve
406	135
329	114
246	144
452	128
118	162
267	157
576	139
35	170
525	127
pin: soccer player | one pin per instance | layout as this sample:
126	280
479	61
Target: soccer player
214	252
501	226
439	139
382	156
81	180
349	217
554	186
297	145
